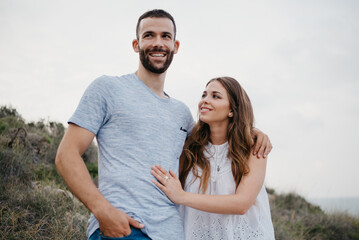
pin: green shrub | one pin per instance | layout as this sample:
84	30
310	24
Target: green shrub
36	204
34	200
295	218
14	167
41	212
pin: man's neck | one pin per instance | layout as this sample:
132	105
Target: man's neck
153	81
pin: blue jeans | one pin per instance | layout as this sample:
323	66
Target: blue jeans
136	234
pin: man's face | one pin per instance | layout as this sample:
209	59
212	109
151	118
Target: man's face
156	44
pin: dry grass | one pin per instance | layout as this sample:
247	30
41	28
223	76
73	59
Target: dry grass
41	212
35	202
296	219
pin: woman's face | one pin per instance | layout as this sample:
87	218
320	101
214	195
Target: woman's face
214	107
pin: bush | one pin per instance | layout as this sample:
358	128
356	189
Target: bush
41	212
295	218
36	204
34	200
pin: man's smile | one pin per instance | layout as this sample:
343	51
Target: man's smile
157	54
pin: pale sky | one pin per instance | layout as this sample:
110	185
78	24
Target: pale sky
298	61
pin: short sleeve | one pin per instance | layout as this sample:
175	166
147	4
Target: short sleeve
92	111
190	121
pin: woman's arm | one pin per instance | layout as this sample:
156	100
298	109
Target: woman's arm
238	203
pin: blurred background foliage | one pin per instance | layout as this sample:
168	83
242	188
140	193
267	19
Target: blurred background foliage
35	203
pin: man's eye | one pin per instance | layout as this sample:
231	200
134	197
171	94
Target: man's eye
203	95
147	35
167	36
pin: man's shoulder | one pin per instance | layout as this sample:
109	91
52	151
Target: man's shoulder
183	108
179	103
110	82
106	79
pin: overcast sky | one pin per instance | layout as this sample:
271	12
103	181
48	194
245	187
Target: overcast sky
298	61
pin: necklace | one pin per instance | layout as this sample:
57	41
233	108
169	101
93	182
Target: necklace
215	158
218	164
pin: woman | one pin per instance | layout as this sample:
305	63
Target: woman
224	195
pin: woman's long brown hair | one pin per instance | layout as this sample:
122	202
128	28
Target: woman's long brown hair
238	136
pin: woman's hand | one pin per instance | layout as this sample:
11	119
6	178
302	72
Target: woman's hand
169	184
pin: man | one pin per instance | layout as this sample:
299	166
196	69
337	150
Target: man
136	125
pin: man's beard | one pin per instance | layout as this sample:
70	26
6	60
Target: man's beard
147	63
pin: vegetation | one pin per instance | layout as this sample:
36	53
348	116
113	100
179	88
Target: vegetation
36	204
34	201
296	219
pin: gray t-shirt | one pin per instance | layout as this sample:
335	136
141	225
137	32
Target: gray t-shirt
135	129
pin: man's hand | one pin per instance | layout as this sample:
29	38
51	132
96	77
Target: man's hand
262	146
115	223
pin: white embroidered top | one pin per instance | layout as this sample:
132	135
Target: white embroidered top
256	223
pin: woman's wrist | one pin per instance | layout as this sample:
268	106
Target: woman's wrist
184	198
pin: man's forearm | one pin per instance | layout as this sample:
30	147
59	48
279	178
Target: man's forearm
73	170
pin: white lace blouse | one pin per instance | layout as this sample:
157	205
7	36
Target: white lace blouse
255	224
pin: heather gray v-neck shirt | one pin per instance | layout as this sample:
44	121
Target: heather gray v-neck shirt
135	129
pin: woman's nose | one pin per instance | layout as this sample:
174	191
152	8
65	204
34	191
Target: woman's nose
207	98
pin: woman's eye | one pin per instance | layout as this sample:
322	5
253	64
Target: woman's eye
215	96
203	95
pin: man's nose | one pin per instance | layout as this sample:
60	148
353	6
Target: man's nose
158	42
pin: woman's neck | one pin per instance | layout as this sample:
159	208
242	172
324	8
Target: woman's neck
218	134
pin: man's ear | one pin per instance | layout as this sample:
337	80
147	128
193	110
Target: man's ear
135	45
177	44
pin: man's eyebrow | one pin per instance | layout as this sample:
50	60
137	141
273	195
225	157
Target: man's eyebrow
169	33
147	32
151	32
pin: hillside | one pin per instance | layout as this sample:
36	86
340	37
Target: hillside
36	204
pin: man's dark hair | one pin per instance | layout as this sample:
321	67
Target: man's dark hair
156	13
